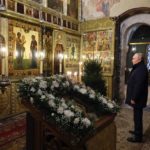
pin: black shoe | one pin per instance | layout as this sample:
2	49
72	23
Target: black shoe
134	140
132	132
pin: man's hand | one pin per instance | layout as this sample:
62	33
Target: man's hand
132	102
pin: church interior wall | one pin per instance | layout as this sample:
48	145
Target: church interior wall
127	27
56	22
96	9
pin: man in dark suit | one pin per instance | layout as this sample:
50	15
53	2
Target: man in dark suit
137	92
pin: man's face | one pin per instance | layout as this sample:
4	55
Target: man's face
135	59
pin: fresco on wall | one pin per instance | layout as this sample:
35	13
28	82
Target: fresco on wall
97	8
99	45
72	8
104	41
89	41
55	4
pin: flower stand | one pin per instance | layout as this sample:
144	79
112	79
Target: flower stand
44	135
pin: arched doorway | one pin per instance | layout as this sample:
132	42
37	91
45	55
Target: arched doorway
139	42
127	29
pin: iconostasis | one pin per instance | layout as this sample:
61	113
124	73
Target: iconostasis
66	49
98	43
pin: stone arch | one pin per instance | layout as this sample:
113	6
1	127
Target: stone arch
127	28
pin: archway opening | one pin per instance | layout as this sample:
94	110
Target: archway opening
139	42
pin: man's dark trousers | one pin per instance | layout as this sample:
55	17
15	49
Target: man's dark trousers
138	122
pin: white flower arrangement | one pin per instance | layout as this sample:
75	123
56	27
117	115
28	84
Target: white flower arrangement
50	93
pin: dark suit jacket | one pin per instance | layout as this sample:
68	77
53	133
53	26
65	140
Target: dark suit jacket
137	86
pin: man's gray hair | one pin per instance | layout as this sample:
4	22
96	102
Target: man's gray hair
140	55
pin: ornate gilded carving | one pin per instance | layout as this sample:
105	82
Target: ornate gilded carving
99	24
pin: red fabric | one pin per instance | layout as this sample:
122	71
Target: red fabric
12	129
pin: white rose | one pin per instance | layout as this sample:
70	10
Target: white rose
103	100
83	91
76	120
43	84
60	110
51	103
86	122
39	92
55	84
50	96
43	97
64	105
67	83
76	87
92	96
52	114
110	105
32	89
68	113
34	80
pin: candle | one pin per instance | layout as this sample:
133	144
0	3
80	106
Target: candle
80	70
3	51
41	56
60	66
3	66
75	76
41	67
60	57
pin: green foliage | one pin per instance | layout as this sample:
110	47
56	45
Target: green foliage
92	76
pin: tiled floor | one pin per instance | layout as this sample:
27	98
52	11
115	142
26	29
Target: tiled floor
124	123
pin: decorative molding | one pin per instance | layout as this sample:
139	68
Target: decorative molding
100	24
39	14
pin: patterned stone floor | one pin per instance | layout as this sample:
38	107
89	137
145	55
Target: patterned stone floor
123	123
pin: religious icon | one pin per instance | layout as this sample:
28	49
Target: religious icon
20	41
33	49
